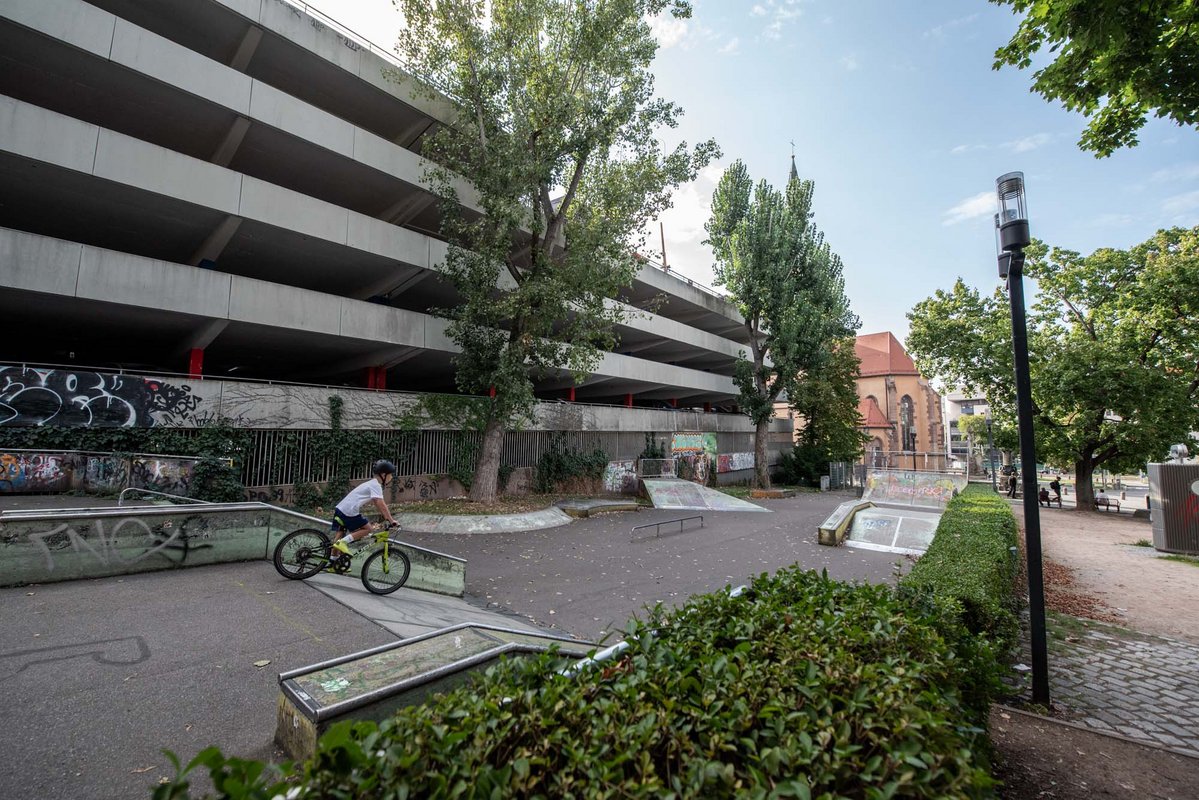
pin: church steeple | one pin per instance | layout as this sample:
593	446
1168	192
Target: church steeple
794	172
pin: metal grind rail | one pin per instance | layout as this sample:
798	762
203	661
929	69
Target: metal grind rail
657	526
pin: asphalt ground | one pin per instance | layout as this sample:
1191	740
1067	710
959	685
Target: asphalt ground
589	577
100	675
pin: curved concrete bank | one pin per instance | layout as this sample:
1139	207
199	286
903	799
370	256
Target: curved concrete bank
497	523
74	543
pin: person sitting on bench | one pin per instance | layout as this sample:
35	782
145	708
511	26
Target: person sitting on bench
1105	502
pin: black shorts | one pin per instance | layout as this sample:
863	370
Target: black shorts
350	524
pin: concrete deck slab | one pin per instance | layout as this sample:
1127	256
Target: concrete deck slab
497	523
684	495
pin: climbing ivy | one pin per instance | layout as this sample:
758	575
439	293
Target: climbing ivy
561	465
653	449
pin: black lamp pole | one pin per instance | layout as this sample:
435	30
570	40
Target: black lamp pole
1012	223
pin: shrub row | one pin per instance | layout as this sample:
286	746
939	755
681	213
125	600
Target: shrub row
803	687
971	565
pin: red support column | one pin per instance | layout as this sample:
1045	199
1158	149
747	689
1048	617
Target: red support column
381	378
195	363
674	402
707	408
628	400
491	392
570	395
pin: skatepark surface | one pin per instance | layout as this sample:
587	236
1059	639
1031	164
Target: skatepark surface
102	674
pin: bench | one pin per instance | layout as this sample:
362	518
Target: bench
1107	504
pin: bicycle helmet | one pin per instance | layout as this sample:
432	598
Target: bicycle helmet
383	467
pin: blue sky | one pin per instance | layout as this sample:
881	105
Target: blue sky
899	119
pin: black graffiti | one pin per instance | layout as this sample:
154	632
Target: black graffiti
424	488
172	476
125	651
30	397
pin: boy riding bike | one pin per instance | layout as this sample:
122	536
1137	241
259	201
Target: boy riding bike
347	516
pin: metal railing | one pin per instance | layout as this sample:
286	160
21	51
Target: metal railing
121	496
657	526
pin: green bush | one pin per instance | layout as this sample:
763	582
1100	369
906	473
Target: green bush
970	565
561	467
803	687
803	465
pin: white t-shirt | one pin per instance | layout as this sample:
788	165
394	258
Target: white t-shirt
351	504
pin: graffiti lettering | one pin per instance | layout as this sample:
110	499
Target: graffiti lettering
118	547
32	397
172	476
32	472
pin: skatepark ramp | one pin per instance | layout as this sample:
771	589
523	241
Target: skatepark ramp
681	494
45	546
373	684
898	513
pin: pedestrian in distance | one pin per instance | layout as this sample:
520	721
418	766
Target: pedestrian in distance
1043	497
1055	486
1012	483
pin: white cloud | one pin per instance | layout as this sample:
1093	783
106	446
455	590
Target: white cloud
1112	220
683	225
1182	208
781	13
758	10
668	30
980	205
1180	172
1029	142
731	47
850	62
941	30
966	148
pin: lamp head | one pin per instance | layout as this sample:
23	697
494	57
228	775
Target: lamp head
1012	219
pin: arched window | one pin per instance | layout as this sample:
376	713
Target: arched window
907	423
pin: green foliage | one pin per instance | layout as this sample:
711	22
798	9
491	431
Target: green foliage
970	565
554	146
1113	347
826	400
803	687
305	495
787	284
653	450
343	451
561	465
1114	62
233	778
803	465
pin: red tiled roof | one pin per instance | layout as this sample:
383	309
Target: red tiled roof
872	416
882	354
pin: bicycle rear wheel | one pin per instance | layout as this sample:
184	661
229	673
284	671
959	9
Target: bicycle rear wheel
301	554
385	570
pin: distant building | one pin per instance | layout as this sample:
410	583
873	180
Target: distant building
901	412
956	404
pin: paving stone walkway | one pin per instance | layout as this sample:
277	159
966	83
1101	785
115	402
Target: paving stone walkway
1121	681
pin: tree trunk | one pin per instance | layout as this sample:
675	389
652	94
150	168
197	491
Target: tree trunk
1084	489
487	470
761	470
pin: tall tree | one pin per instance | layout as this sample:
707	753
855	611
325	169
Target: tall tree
556	133
787	284
1113	345
826	398
1115	62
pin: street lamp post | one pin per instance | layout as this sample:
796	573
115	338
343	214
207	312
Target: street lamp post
991	451
1012	228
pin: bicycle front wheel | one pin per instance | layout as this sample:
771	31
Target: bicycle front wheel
301	554
385	570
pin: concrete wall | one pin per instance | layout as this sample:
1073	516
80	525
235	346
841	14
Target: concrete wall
51	471
93	543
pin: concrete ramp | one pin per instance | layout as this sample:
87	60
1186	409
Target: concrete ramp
43	546
894	530
681	494
375	683
896	487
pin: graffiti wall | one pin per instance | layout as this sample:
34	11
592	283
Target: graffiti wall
54	550
30	397
33	472
907	488
733	462
621	477
29	472
694	455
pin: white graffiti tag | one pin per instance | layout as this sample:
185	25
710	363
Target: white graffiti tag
105	548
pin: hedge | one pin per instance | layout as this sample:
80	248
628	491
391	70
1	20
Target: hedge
802	687
971	565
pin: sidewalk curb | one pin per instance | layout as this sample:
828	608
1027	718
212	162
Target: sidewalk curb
1080	727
